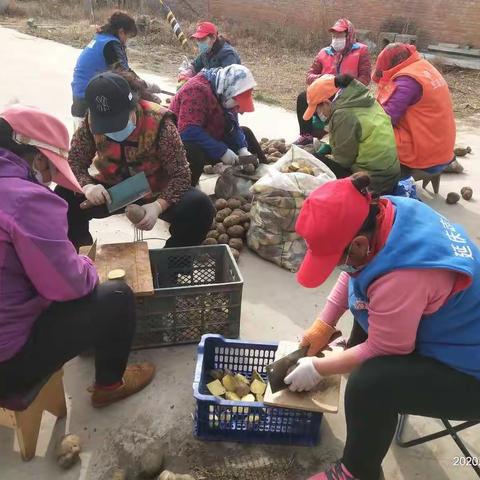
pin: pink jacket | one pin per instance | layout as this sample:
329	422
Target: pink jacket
38	264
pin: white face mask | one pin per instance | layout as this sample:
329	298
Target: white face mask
338	44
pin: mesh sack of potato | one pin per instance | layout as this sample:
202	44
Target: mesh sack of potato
278	198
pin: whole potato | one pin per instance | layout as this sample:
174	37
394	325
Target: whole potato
135	213
223	214
233	203
220	204
223	239
249	169
213	234
210	241
235	253
246	226
247	207
467	193
452	198
231	220
220	227
236	243
237	231
243	200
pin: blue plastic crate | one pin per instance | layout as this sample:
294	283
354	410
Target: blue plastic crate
248	422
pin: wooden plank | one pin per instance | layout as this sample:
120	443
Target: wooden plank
323	398
131	257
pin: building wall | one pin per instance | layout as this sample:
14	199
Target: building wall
433	21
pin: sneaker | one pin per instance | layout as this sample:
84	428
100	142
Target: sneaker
337	471
303	139
135	378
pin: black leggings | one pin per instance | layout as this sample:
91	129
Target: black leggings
306	127
103	320
190	219
384	387
197	157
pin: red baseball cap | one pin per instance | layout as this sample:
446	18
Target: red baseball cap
245	101
340	25
204	29
328	221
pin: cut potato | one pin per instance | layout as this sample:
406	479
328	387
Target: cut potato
229	382
216	388
116	274
259	397
232	396
242	390
248	398
258	387
242	378
257	376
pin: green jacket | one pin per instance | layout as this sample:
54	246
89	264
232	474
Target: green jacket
362	138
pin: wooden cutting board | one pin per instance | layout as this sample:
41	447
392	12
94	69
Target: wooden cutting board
131	257
323	398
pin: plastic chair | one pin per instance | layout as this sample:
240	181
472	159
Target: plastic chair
23	412
450	429
427	178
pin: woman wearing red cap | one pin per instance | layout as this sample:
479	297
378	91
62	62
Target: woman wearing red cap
51	305
343	55
415	342
416	97
215	51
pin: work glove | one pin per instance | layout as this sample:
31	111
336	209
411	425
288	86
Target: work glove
229	157
243	152
304	376
152	212
317	336
96	194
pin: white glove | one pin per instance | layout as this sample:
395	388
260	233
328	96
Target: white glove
304	377
229	157
243	152
96	194
152	212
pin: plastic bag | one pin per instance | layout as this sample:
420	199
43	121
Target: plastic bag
278	198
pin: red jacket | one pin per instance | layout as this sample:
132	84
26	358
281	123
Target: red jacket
356	63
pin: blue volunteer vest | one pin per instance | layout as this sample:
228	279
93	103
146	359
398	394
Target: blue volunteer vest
422	238
90	62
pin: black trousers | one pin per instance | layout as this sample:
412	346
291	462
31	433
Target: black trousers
103	320
336	168
190	219
197	157
384	387
306	127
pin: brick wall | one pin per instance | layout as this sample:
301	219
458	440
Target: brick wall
432	21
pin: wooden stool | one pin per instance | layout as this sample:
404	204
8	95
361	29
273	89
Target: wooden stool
427	178
23	412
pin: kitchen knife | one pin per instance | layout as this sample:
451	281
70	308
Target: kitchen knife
278	370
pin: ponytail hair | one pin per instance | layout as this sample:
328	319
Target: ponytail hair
361	181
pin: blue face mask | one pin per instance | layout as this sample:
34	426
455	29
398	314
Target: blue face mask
122	135
203	46
344	267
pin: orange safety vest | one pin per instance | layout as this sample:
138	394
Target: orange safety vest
425	136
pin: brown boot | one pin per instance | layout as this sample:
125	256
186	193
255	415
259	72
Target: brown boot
135	378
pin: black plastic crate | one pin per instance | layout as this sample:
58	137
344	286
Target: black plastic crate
198	290
247	422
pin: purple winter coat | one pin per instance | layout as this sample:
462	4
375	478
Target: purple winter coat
38	264
407	93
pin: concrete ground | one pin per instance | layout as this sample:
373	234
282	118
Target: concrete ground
38	72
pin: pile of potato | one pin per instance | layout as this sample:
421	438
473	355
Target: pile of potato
274	149
231	224
297	167
237	387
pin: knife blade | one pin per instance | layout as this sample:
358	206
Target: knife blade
92	253
277	371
